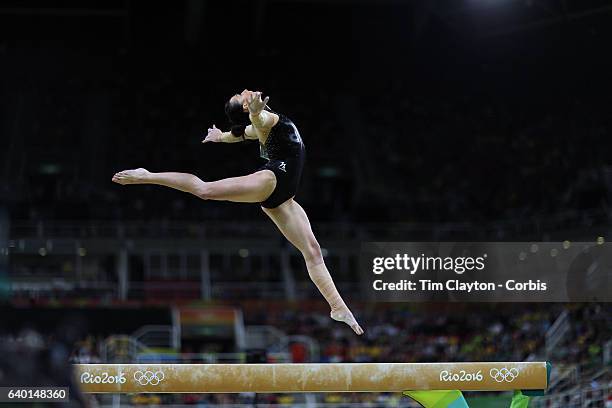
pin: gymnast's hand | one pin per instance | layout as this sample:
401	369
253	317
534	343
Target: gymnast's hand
214	135
255	104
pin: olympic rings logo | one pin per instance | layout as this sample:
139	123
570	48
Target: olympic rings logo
148	377
504	374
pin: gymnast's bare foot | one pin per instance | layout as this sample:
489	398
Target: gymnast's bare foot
137	176
345	315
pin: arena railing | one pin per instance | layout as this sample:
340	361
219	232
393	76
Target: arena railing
499	229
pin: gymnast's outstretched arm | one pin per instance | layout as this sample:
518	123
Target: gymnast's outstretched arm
218	136
259	117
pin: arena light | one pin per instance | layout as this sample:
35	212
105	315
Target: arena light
298	378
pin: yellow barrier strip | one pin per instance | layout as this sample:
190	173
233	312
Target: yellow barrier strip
279	378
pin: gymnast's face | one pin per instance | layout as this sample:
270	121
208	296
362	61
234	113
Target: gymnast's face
241	98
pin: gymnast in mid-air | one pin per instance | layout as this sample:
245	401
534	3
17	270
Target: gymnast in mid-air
273	185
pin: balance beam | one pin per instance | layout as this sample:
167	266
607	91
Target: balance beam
297	378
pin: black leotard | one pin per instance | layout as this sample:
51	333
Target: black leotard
285	153
283	141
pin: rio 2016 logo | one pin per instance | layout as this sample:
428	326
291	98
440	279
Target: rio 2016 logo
102	378
461	376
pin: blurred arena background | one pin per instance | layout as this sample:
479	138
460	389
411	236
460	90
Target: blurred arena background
473	120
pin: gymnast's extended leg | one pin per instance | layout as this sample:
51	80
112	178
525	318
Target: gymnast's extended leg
253	188
292	221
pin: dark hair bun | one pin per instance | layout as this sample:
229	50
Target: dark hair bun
238	130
